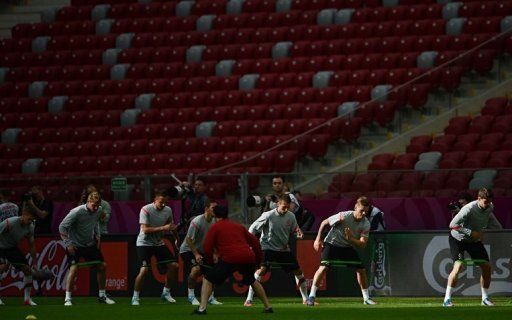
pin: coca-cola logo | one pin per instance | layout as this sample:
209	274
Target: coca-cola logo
437	265
51	257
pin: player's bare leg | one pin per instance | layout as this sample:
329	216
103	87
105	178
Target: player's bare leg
170	276
70	281
485	279
301	283
317	279
260	292
139	280
454	275
102	279
3	269
362	279
102	275
206	291
485	282
27	282
195	272
452	282
250	294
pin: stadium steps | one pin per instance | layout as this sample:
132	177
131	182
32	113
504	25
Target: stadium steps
468	99
431	118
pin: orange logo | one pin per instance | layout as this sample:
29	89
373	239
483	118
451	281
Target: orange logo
116	257
309	261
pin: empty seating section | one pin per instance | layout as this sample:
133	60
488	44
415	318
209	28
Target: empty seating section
121	87
471	150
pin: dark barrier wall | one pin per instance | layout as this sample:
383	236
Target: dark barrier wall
398	263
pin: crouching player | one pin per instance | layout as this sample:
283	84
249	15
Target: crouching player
81	235
237	250
349	229
276	226
12	230
191	250
467	232
155	219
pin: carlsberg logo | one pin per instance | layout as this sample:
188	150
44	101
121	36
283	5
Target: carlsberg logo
437	264
380	269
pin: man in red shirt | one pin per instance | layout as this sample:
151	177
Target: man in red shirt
235	250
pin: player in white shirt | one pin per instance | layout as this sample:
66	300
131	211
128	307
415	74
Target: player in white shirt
155	219
349	229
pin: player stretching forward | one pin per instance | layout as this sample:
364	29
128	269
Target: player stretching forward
466	235
7	210
276	226
155	218
236	250
80	232
191	250
349	229
12	230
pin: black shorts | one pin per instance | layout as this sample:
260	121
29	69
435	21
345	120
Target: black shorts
161	253
284	259
219	272
86	253
475	250
189	260
13	256
332	253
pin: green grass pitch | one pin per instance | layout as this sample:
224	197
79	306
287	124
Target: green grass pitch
285	308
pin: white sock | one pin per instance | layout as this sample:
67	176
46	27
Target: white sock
312	293
366	296
27	281
448	294
201	309
68	295
250	294
166	291
302	288
136	294
26	293
485	295
211	296
102	293
191	293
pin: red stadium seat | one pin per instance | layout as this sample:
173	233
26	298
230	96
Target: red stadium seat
381	161
443	143
458	125
419	144
476	159
452	159
405	161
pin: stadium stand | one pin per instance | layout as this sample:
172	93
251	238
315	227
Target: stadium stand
119	87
